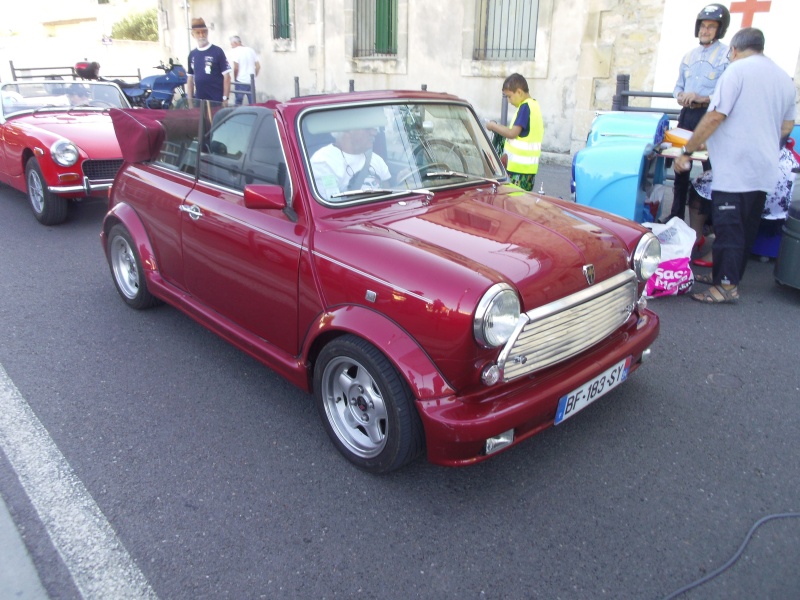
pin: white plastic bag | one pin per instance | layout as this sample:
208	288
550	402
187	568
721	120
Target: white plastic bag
674	275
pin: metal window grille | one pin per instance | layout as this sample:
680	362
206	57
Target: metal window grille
281	24
506	29
375	28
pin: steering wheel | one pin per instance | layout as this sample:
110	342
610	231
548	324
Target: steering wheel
437	165
101	104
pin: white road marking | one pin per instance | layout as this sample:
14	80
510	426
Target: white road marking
98	562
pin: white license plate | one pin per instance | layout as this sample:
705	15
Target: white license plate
590	391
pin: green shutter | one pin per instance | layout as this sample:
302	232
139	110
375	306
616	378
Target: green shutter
282	27
386	27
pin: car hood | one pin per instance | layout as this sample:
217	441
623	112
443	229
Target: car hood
477	238
91	132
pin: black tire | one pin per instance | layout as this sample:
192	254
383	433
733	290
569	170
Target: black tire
48	208
366	406
126	270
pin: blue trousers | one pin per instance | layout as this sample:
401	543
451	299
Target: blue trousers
737	216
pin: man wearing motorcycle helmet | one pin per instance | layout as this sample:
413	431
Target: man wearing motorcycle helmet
699	71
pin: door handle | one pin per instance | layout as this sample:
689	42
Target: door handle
193	210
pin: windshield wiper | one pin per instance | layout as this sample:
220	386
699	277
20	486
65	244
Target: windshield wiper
380	191
434	174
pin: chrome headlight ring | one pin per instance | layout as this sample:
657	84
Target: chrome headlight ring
647	256
496	316
64	153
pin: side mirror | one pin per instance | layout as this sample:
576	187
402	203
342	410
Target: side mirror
264	196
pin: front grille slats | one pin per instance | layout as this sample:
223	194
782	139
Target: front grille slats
101	169
562	329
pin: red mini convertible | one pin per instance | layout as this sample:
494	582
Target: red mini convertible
368	247
57	142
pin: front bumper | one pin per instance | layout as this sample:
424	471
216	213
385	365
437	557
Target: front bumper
457	427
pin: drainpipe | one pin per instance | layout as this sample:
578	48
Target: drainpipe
320	45
188	28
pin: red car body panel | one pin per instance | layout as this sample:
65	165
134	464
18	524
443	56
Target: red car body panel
404	275
29	135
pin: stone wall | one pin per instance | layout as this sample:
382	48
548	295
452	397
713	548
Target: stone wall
620	37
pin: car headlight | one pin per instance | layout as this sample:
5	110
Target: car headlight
496	316
64	153
647	256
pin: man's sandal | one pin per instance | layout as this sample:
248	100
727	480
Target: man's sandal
706	278
717	294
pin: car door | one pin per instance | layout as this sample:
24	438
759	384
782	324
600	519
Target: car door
243	263
158	189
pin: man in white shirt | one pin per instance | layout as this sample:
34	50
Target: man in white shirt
342	165
244	61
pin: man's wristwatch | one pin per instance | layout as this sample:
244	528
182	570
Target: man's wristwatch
685	152
224	98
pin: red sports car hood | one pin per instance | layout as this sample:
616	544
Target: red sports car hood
91	132
477	239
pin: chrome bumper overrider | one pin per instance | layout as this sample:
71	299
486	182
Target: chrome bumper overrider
87	188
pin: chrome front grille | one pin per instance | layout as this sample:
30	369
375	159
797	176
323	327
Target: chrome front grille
552	333
101	169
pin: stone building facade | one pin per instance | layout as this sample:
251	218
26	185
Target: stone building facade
580	48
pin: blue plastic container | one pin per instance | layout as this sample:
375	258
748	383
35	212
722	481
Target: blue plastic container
618	167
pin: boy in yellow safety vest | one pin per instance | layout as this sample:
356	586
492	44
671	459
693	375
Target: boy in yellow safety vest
523	144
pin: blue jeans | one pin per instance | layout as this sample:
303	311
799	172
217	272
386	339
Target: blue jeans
241	90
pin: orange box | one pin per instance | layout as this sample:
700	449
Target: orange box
678	136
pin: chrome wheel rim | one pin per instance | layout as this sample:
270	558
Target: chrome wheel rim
123	263
35	191
355	407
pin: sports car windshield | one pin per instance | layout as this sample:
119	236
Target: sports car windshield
362	153
20	97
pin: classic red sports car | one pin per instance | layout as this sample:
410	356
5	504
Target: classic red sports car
368	247
57	142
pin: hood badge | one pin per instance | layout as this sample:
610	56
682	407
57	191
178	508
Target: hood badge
588	272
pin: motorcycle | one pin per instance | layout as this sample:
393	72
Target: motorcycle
155	91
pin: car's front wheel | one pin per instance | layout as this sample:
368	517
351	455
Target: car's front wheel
366	407
48	208
126	269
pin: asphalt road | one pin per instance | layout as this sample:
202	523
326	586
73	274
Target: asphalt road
206	475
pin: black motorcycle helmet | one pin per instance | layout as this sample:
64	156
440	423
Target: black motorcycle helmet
714	12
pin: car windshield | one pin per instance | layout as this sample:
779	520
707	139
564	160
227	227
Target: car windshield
19	97
363	153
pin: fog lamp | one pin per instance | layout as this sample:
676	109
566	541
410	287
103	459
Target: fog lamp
498	442
490	374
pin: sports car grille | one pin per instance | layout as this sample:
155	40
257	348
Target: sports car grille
101	169
561	329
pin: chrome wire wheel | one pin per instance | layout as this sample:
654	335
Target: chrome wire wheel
47	207
123	263
36	191
354	407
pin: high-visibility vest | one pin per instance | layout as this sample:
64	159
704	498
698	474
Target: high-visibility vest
524	152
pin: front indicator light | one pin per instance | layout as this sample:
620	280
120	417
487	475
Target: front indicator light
490	375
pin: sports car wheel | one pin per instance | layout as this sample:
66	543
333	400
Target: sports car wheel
48	208
126	268
366	407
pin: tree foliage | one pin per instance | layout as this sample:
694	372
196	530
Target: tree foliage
141	26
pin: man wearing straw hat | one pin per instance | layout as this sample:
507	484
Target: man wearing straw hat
209	72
